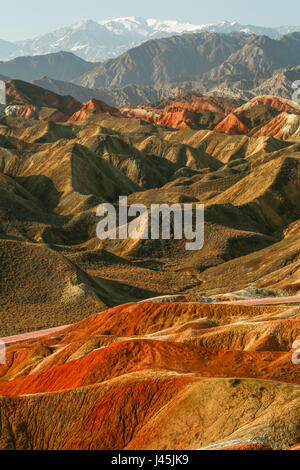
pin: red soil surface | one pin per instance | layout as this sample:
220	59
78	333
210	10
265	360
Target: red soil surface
296	447
28	95
92	107
107	383
232	125
281	127
182	112
277	103
136	355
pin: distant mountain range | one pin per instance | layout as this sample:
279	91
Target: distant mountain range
100	40
61	66
236	59
235	65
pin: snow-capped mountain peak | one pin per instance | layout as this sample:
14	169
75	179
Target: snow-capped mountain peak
97	40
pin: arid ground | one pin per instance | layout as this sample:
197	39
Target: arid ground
214	368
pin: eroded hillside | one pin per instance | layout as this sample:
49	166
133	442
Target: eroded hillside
55	174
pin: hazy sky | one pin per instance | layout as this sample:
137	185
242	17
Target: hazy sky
21	19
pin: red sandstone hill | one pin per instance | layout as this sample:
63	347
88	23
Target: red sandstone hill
128	375
285	126
232	117
33	102
257	116
94	107
261	116
232	125
186	111
280	104
138	377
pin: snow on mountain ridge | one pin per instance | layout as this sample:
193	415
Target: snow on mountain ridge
99	40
